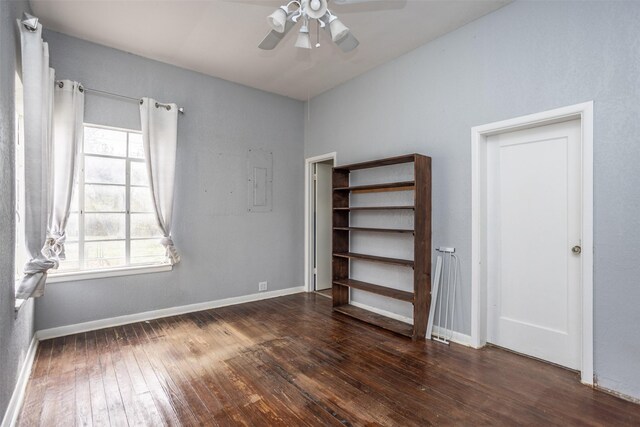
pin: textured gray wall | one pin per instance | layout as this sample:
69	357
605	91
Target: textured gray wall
524	58
15	333
225	250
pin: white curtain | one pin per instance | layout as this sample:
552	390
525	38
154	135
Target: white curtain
68	119
160	140
38	81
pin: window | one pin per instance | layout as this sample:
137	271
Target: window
112	223
20	251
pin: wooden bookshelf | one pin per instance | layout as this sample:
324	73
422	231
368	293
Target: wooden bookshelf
421	263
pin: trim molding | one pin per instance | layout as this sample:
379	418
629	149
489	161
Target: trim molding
382	312
13	409
456	337
617	394
164	312
479	134
130	270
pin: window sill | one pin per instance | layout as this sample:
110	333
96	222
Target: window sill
106	273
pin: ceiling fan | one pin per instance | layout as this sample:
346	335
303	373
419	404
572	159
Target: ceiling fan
283	19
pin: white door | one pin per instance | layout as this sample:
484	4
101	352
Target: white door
322	223
533	242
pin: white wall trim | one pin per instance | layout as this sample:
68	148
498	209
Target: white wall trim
129	270
618	394
165	312
382	312
479	134
13	409
456	337
308	214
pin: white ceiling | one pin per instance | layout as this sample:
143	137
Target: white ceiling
220	37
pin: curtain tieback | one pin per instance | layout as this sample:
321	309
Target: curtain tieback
172	253
39	265
54	245
35	273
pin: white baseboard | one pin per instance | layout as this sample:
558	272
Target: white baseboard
13	409
385	313
456	337
156	314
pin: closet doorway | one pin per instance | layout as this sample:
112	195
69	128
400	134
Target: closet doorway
318	224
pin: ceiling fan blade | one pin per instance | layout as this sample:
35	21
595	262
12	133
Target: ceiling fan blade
348	43
273	38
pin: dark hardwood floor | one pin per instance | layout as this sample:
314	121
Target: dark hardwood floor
290	361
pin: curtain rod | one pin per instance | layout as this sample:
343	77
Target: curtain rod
129	98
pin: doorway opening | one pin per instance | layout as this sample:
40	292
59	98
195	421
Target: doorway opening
532	236
318	221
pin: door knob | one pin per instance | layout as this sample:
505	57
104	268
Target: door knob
576	250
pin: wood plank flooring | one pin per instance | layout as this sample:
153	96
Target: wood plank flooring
290	361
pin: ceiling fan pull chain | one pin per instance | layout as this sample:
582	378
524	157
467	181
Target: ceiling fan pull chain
318	34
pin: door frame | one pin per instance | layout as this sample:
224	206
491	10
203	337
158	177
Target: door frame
308	214
479	134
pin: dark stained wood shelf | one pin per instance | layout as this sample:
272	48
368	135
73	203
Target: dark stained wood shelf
408	158
421	262
376	289
373	188
373	258
375	208
392	325
381	230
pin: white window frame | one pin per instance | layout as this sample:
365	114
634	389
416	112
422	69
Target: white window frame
125	270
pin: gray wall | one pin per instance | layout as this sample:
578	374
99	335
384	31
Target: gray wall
225	250
524	58
15	333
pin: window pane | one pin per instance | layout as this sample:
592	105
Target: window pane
141	199
105	141
104	198
72	227
144	225
99	226
104	171
135	146
71	251
147	252
139	173
104	254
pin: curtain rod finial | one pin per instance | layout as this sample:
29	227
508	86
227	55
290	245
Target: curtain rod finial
30	22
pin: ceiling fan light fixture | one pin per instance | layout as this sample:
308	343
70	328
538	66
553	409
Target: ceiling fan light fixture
338	29
282	20
315	9
303	41
278	19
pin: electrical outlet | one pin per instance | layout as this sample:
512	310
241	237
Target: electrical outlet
262	286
